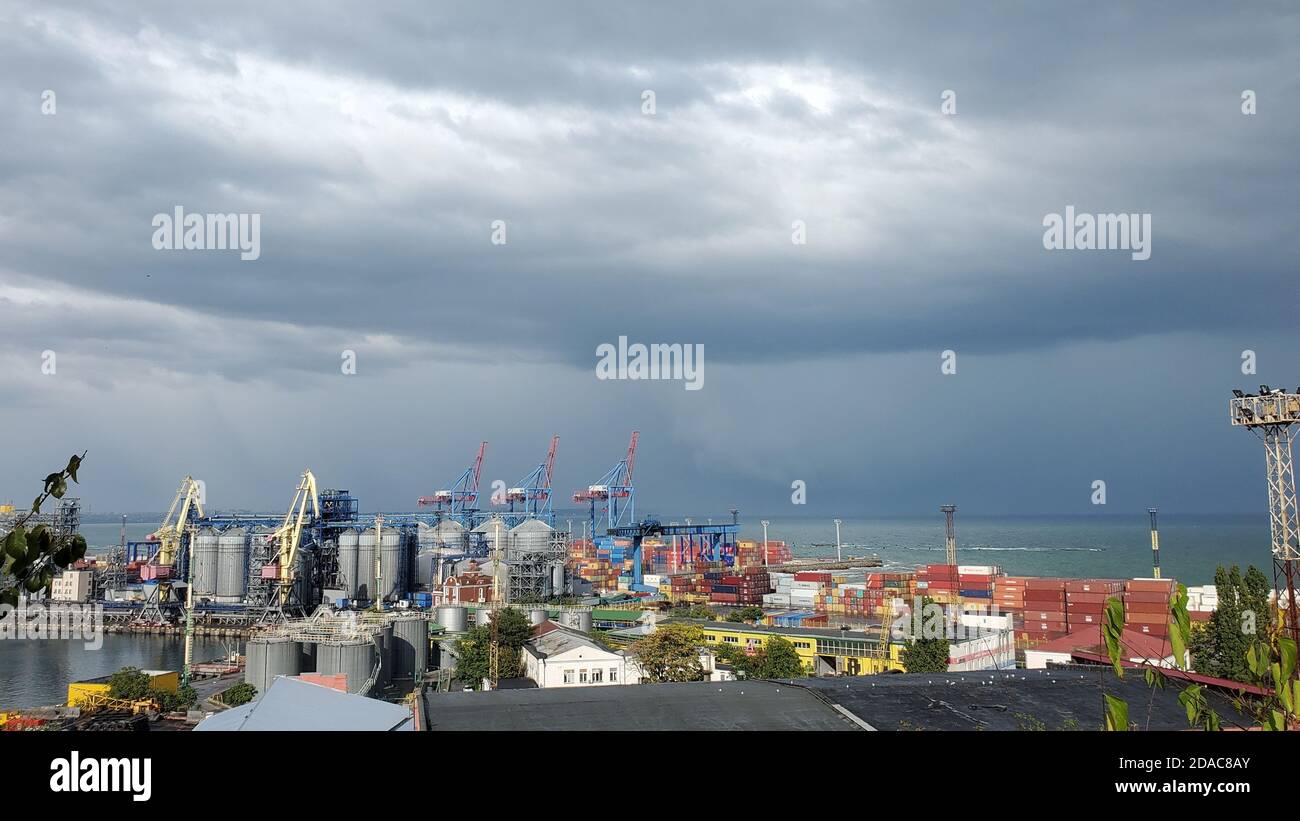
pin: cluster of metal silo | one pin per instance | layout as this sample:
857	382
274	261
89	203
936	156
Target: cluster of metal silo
267	657
366	547
538	615
203	573
232	564
410	651
354	658
530	537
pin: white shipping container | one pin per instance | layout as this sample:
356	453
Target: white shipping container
977	569
798	585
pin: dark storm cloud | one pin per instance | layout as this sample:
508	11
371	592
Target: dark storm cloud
380	143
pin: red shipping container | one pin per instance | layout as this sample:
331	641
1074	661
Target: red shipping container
1044	597
1034	583
1149	585
1146	607
1146	618
1162	598
1152	629
1088	598
1084	618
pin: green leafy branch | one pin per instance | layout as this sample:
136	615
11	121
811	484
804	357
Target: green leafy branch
29	558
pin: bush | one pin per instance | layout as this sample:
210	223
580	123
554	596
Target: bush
238	694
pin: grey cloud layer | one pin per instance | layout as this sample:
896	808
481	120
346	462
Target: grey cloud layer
379	145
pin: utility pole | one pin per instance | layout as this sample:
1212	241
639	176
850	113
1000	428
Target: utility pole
838	556
494	647
379	563
765	524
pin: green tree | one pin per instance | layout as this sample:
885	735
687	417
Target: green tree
237	694
671	653
1220	648
473	659
777	658
129	684
745	615
29	558
926	656
696	611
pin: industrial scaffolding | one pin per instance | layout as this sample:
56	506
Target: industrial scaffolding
531	571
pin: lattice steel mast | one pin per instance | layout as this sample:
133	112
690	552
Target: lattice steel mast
1270	416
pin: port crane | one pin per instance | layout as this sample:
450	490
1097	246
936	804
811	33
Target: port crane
533	491
189	497
289	534
616	484
460	501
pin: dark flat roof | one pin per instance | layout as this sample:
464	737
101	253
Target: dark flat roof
1007	700
703	705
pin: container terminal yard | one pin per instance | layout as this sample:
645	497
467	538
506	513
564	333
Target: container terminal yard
367	610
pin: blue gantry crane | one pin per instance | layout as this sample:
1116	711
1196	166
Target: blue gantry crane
613	491
460	501
532	494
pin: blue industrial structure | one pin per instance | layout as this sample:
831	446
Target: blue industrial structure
708	543
533	492
615	491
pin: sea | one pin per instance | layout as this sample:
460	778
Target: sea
34	673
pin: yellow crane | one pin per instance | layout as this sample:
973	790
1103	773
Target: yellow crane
188	497
289	535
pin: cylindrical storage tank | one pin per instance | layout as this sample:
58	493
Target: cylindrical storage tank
557	580
348	561
410	654
453	619
392	566
272	657
203	575
255	663
483	617
580	620
354	658
530	536
366	547
538	616
232	562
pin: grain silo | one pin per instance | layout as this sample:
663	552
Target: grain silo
203	575
232	564
392	565
348	562
367	545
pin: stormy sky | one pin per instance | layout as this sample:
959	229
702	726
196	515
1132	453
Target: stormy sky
380	142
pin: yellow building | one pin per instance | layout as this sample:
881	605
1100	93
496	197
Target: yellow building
822	651
79	692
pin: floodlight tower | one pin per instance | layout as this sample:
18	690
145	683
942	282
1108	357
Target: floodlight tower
948	510
1270	415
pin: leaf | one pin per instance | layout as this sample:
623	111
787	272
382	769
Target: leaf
1286	649
36	504
1116	713
60	488
1112	628
73	464
1180	627
78	547
16	544
33	583
1191	701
